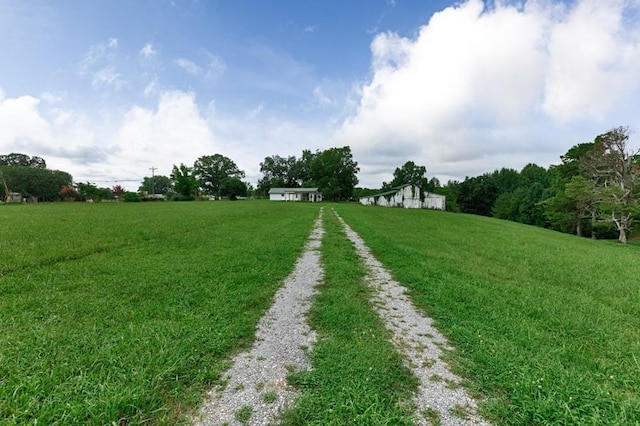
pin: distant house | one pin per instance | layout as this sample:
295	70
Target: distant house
14	197
407	196
295	194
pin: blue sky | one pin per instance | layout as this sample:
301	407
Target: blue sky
108	89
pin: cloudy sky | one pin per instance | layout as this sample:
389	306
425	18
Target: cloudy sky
106	90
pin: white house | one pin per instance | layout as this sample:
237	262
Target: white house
295	194
407	196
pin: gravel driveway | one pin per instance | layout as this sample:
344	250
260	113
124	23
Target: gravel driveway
256	388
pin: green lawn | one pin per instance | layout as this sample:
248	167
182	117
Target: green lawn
125	313
547	325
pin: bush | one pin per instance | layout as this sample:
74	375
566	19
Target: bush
180	197
130	197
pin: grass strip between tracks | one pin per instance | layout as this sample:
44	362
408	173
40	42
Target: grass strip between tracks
358	377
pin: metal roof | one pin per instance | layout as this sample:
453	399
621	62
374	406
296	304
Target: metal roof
292	190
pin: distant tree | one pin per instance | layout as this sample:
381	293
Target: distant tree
157	184
568	206
450	190
184	181
117	191
131	197
233	188
302	169
615	172
251	191
432	185
212	170
89	191
43	184
410	173
571	161
364	192
477	195
525	199
506	180
581	193
334	172
69	193
532	173
278	172
16	159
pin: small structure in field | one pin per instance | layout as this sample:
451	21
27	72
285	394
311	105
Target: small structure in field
295	194
407	196
14	197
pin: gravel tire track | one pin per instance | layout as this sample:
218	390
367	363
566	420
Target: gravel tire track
257	379
420	344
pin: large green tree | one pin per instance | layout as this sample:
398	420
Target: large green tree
409	173
17	159
184	181
89	191
571	205
477	195
43	184
157	184
233	188
212	170
334	171
302	168
278	172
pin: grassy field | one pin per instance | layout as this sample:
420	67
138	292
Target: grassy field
546	325
125	313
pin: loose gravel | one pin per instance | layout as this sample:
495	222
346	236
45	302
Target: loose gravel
256	387
440	396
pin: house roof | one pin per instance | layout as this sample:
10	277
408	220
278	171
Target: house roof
292	190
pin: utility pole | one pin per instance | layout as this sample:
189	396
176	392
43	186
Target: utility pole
153	180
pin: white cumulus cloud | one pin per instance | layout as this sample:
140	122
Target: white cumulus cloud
171	133
483	87
62	137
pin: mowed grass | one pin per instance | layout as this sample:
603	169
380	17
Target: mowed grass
546	325
357	377
119	313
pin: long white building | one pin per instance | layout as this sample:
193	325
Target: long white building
407	196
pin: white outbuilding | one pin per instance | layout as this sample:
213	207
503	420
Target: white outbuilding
407	196
295	194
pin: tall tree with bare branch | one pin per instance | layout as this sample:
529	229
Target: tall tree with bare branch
615	171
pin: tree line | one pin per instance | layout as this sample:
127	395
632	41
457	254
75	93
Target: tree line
333	171
592	192
29	177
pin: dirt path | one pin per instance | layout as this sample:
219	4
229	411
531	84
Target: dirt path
440	395
256	388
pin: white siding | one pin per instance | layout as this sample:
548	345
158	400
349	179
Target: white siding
407	196
295	194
